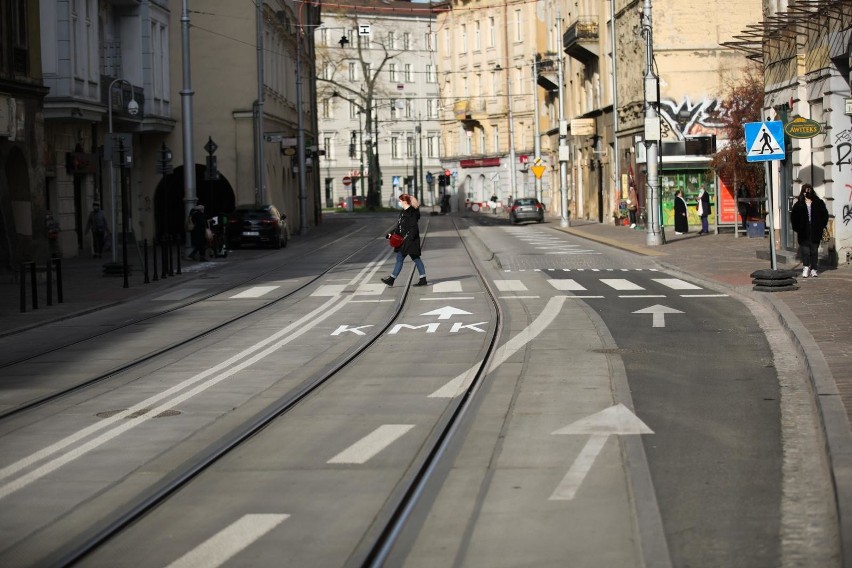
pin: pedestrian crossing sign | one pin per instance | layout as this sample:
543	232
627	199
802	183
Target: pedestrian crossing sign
764	141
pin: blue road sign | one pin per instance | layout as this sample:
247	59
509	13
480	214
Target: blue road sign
764	141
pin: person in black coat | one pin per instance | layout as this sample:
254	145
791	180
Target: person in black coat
704	211
406	227
198	233
809	218
681	222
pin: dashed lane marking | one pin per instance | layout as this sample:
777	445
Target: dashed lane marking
255	292
510	286
371	444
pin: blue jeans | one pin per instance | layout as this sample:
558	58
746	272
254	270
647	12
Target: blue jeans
705	226
397	268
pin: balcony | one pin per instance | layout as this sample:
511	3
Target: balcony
469	109
580	40
547	73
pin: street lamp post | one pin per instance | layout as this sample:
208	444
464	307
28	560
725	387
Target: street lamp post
133	109
512	169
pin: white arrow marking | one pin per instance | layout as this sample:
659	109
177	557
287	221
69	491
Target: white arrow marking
371	444
659	312
228	542
446	312
459	384
599	427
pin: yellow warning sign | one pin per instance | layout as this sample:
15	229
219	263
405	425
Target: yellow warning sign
537	170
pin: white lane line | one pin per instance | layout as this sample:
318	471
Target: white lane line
518	297
449	299
676	284
376	301
122	421
255	292
459	384
642	296
621	284
447	287
583	297
703	295
566	284
510	286
228	542
181	294
371	444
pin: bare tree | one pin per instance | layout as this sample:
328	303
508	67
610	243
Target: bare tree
742	102
371	54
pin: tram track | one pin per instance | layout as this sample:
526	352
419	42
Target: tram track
381	536
152	355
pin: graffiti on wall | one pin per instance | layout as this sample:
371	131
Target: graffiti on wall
843	146
685	118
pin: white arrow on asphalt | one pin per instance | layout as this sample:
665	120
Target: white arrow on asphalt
659	313
617	420
446	312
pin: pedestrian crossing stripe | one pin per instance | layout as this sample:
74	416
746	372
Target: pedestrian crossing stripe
764	141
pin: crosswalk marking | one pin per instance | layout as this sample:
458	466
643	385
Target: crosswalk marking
510	285
621	284
181	294
676	284
447	287
255	292
565	285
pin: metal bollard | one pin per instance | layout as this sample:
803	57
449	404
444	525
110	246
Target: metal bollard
145	256
154	258
48	274
177	255
58	263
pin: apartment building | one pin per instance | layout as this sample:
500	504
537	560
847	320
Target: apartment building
377	83
805	50
490	140
23	203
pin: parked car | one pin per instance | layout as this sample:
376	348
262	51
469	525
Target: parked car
357	201
257	224
526	209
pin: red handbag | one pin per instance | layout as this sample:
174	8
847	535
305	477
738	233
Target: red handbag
396	240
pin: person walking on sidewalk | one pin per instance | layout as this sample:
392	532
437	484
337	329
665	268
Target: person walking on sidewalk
681	223
406	227
632	205
198	233
97	224
704	211
809	218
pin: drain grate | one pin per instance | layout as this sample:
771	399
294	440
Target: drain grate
138	413
621	350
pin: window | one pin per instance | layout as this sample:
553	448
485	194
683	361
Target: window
353	71
392	72
518	29
430	41
394	142
496	138
327	146
494	89
326	108
409	108
492	32
477	40
394	112
432	108
391	40
447	41
432	146
410	147
406	41
431	74
482	141
353	110
463	47
409	73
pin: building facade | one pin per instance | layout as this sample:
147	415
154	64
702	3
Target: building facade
805	48
24	202
377	85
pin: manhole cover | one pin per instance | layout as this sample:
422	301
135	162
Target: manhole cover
138	413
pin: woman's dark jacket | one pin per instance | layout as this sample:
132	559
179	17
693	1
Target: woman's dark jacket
199	230
809	231
406	226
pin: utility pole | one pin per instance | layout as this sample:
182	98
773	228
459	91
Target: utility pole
563	132
536	128
300	149
616	162
654	234
186	92
260	186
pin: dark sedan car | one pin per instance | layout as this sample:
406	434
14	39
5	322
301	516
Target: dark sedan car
526	209
257	224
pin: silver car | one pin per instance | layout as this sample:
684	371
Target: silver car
526	209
